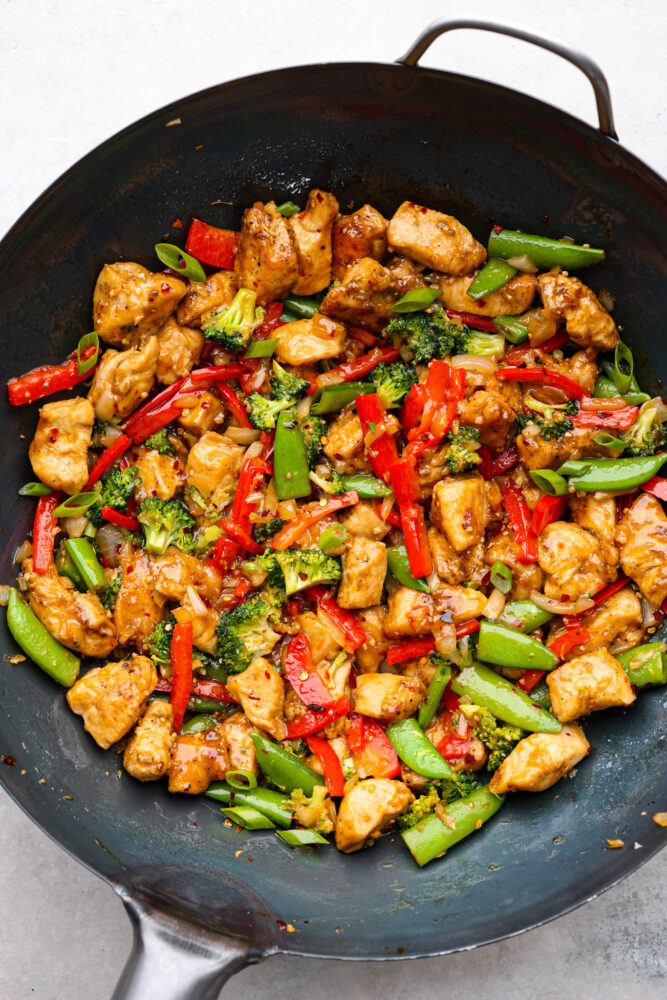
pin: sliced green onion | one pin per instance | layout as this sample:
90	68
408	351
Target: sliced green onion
549	482
501	577
623	367
333	398
261	348
333	537
242	780
609	441
77	505
88	340
34	490
199	724
180	261
298	838
513	329
288	208
540	405
249	818
416	300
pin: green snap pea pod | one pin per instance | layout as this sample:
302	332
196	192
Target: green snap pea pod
333	398
614	473
275	805
283	768
399	567
604	389
368	487
430	837
288	317
248	818
539	695
261	348
38	644
303	306
575	466
645	665
503	699
494	275
417	751
544	252
302	838
196	703
199	724
65	567
434	694
512	328
508	647
524	616
82	554
290	465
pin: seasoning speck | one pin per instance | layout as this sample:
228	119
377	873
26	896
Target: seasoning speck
9	761
238	854
613	844
174	121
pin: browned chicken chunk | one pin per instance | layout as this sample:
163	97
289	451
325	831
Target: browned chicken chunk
306	341
123	379
361	234
197	760
587	321
130	303
459	509
410	613
368	291
179	350
368	810
175	571
588	683
311	230
620	616
525	576
110	699
137	610
434	239
491	414
204	297
571	560
388	697
364	569
642	536
266	261
371	654
513	298
540	760
148	752
596	512
537	453
59	450
161	475
213	467
261	692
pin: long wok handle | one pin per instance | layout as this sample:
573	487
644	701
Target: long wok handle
579	59
173	960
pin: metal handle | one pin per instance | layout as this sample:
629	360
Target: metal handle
173	960
578	59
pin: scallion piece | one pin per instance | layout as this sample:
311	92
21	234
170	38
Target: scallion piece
512	328
287	209
333	537
77	505
549	482
249	818
300	838
416	300
609	441
180	261
85	365
241	779
261	348
623	370
501	577
434	693
34	490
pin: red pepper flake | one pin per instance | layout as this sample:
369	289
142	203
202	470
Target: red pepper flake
497	229
177	224
9	761
164	288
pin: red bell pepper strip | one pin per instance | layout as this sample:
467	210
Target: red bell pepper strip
371	748
45	528
393	517
180	654
519	515
476	322
217	373
656	486
405	484
622	418
529	679
565	643
210	245
453	746
342	619
412	408
438	386
543	376
361	336
441	421
46	379
108	458
233	403
271	321
546	511
299	672
519	353
467	628
225	549
310	515
611	588
313	722
486	465
241	536
350	371
409	650
506	460
203	688
121	520
382	452
331	766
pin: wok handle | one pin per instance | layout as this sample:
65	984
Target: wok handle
174	960
579	59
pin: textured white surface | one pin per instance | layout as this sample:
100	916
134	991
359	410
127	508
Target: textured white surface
73	72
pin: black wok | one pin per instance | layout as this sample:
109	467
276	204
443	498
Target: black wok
380	133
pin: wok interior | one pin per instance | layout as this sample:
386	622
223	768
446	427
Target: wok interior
382	134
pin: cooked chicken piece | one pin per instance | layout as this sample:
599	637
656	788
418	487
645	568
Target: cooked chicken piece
78	621
642	536
362	521
148	752
59	448
130	303
204	297
323	646
345	438
513	298
491	414
540	760
571	559
586	320
388	697
110	699
175	571
240	748
207	413
123	379
311	230
307	341
525	576
371	654
611	619
458	604
137	611
536	453
179	350
447	563
197	760
204	620
266	260
368	291
261	692
364	569
409	613
588	683
596	512
315	815
459	509
368	810
434	239
213	467
361	234
161	475
582	367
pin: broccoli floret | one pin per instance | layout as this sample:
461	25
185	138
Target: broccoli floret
333	484
550	430
294	569
490	345
115	489
245	632
460	784
232	328
263	532
499	739
427	334
165	523
461	454
159	641
211	665
108	596
263	411
420	808
393	382
285	385
646	434
313	429
160	442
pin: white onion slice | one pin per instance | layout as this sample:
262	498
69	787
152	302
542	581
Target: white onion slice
522	263
495	605
561	607
242	435
474	363
109	537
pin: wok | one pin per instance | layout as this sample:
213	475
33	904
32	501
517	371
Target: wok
204	899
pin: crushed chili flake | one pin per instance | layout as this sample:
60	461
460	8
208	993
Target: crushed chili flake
613	844
9	761
177	224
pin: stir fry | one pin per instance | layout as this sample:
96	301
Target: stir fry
360	518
